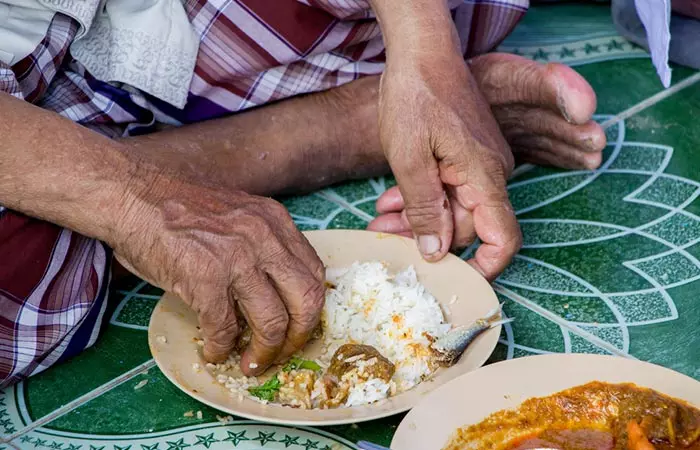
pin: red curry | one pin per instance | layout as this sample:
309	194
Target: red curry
595	416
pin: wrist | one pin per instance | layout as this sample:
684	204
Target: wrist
139	190
416	29
102	196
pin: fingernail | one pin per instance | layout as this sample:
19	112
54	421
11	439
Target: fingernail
429	245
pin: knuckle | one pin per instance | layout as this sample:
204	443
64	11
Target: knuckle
312	303
275	208
313	262
239	251
223	336
245	278
274	253
219	326
208	308
424	214
318	270
249	221
273	328
259	226
419	165
514	243
459	167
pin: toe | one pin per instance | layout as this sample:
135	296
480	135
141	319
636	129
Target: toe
511	79
576	98
517	121
547	151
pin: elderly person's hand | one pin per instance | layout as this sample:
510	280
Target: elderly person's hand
226	253
443	144
233	257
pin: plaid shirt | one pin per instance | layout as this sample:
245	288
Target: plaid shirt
53	282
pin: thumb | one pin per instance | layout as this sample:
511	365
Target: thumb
220	328
426	205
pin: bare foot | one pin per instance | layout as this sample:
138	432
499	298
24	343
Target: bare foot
544	112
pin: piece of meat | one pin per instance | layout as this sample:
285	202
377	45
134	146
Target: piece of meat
534	443
581	439
364	358
569	440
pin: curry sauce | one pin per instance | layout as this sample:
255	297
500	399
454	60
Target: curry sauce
595	416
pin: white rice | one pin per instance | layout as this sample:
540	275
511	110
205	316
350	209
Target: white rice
391	313
368	392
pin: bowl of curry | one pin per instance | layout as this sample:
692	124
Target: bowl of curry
563	402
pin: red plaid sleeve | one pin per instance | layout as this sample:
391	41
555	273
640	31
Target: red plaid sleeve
343	9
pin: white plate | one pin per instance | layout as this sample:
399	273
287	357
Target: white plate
336	248
470	398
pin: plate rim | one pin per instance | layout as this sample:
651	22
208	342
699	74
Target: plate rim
511	365
324	422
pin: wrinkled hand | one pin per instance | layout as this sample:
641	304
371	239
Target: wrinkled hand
451	163
227	254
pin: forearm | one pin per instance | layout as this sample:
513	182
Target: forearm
299	144
55	170
245	142
416	28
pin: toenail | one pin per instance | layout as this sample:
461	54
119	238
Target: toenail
592	161
561	104
588	143
593	142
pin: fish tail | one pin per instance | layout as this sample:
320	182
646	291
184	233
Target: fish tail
495	318
500	322
494	314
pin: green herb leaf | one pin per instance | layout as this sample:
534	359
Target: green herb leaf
297	363
267	390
